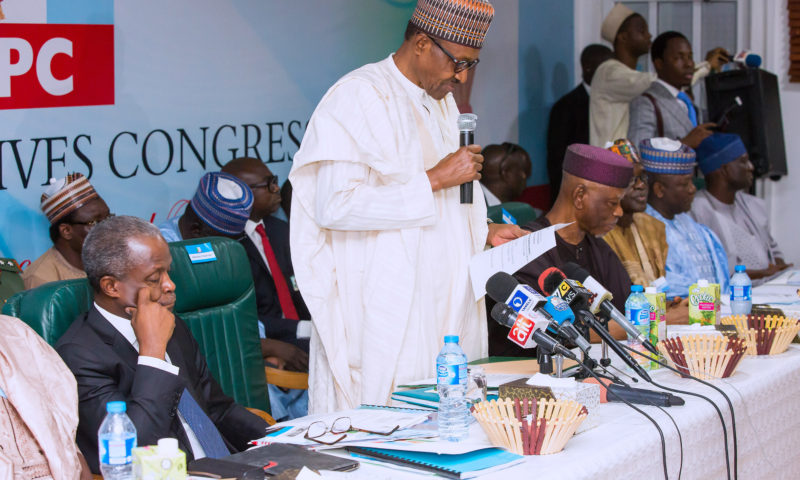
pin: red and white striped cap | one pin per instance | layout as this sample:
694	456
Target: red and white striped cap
65	195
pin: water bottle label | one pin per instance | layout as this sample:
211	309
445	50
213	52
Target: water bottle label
451	374
639	316
741	292
117	451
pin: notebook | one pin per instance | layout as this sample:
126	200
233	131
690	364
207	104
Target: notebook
424	397
461	466
280	457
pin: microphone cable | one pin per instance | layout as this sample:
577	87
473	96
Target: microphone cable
642	412
719	412
680	437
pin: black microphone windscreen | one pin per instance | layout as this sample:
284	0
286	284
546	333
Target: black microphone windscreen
575	271
500	285
549	280
503	314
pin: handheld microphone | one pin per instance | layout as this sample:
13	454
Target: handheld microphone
523	326
502	287
724	118
748	59
635	395
466	128
602	303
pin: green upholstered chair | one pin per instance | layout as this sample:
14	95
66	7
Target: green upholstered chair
215	299
523	212
50	308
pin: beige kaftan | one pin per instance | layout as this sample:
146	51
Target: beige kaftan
381	260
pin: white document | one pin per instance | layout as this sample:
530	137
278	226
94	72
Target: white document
510	256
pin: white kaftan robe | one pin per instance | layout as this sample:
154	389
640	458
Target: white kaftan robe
381	260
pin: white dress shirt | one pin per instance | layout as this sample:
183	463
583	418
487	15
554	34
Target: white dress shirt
674	92
124	327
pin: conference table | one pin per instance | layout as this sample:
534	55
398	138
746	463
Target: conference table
765	393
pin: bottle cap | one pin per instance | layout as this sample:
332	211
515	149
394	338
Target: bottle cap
651	290
637	288
739	268
167	447
451	339
116	407
702	283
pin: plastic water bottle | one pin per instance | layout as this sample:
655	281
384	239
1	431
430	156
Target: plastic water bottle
117	439
741	286
637	310
451	384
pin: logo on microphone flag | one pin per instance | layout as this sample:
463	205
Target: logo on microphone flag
521	331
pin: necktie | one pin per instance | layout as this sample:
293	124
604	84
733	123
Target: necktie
284	297
202	426
688	101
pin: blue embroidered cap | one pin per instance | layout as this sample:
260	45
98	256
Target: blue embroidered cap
718	149
223	202
665	155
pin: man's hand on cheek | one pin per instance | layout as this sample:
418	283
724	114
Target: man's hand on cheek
153	325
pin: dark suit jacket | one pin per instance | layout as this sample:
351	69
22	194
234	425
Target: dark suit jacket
105	366
269	308
569	123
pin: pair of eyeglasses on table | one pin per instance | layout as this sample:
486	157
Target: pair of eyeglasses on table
340	426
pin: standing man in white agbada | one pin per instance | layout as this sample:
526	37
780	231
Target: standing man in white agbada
380	241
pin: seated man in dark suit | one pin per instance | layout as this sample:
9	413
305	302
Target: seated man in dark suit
281	308
569	117
131	347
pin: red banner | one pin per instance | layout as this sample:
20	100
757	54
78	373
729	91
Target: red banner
48	65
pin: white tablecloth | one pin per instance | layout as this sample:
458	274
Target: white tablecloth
766	396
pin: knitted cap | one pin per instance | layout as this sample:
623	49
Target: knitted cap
718	149
618	14
598	165
459	21
624	147
65	195
223	202
665	155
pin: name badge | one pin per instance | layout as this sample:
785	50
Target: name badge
201	253
508	218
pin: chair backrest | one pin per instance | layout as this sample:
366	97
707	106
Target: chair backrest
51	308
522	212
217	301
10	279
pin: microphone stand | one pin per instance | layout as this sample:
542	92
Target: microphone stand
559	362
545	361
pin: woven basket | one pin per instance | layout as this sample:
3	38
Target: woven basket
706	357
530	426
765	335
